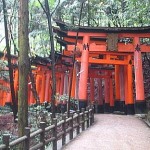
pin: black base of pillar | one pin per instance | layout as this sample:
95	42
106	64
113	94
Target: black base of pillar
82	104
119	106
140	107
122	106
99	109
106	107
111	109
130	109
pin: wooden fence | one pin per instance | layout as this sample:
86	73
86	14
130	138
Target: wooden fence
77	120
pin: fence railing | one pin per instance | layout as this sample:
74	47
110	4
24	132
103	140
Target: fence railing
57	131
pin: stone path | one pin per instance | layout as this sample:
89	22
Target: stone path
113	132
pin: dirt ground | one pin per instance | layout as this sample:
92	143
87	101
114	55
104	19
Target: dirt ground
113	132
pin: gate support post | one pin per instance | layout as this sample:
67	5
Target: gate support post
130	102
139	84
84	73
117	88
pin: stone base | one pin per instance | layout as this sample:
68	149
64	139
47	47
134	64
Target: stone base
130	109
111	109
99	109
140	107
82	104
117	105
106	107
120	106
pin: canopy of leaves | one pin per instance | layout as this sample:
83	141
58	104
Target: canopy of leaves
113	13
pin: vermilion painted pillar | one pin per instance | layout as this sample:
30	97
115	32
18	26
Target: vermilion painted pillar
58	82
8	98
130	101
117	88
126	88
106	94
139	82
62	84
38	85
111	94
92	90
84	73
32	99
47	87
73	84
43	88
122	88
77	80
50	90
16	80
66	83
29	94
100	97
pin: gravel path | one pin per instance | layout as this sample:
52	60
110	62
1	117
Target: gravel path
113	132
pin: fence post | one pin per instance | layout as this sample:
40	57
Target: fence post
71	125
55	134
92	114
64	129
42	135
83	119
27	141
78	122
87	108
6	138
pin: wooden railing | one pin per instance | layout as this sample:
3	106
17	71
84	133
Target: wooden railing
67	126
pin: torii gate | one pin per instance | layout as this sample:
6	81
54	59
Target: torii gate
118	47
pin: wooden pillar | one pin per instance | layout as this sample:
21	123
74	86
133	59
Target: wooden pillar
84	73
62	84
38	83
77	81
43	87
126	88
29	94
139	84
73	84
47	86
32	99
66	83
130	101
92	90
100	97
16	80
122	88
58	82
117	88
111	94
106	94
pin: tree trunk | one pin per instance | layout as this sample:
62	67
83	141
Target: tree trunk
23	67
14	101
52	57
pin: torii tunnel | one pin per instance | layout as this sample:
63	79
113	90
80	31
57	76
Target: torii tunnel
107	70
112	57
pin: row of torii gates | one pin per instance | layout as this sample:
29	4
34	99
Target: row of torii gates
110	55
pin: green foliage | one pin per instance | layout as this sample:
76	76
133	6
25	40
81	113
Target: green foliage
114	13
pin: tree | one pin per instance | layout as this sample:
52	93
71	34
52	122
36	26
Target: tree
52	55
14	101
23	66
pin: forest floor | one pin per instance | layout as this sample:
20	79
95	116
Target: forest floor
113	132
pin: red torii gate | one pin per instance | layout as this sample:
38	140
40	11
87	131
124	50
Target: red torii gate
120	47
